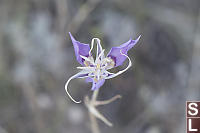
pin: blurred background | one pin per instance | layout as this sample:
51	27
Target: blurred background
37	58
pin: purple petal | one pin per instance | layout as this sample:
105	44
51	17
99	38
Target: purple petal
83	75
88	79
80	49
124	48
97	85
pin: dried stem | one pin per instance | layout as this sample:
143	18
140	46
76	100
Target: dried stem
94	113
97	103
93	120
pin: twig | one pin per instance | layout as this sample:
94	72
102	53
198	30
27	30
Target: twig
94	113
93	120
97	103
94	124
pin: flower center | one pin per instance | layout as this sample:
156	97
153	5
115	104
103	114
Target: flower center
97	69
98	66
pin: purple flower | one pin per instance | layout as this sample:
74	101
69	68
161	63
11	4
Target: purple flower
96	71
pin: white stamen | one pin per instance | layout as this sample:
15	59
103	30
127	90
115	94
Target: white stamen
85	68
98	61
98	74
85	58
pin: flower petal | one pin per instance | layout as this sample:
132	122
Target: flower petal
81	49
82	74
112	75
124	48
97	85
87	80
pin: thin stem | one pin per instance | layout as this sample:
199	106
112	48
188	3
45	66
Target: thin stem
95	95
94	124
93	120
91	104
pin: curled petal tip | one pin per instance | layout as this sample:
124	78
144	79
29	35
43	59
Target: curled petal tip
118	96
72	38
66	89
78	75
138	38
77	102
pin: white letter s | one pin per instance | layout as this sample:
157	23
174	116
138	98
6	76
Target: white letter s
193	108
